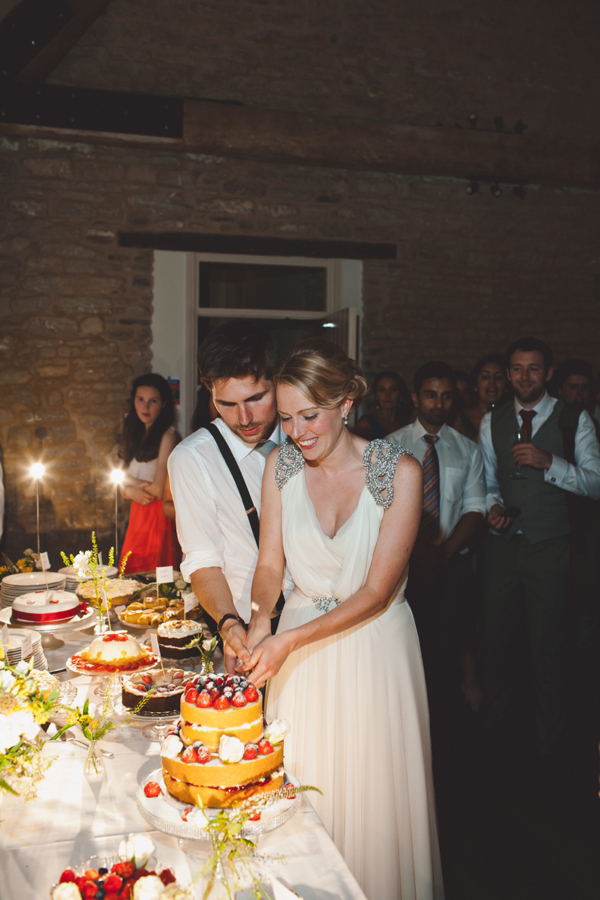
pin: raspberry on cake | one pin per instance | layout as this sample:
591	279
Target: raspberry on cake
218	755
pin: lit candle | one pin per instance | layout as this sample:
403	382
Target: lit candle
117	476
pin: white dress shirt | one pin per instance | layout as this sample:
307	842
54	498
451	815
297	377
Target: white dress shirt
583	478
212	525
462	484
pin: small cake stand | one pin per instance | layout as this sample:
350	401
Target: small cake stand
48	632
155	727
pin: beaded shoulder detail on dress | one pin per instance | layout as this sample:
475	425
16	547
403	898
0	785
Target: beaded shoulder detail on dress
380	460
289	462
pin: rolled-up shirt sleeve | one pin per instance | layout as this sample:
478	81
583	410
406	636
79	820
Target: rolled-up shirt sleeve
198	530
583	477
474	496
490	463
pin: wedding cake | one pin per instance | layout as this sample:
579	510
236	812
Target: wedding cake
218	753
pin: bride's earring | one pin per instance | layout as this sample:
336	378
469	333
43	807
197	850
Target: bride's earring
346	419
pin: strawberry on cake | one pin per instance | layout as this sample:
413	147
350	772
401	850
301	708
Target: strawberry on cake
115	650
218	755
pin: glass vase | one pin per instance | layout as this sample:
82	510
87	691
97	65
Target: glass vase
94	764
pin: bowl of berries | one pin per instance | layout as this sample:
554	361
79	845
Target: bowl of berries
132	875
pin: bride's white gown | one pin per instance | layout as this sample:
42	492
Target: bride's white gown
357	706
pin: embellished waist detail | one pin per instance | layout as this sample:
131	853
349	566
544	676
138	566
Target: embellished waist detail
324	604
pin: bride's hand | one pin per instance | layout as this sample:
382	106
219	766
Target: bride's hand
259	628
267	658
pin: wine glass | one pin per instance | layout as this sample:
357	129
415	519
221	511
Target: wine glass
519	438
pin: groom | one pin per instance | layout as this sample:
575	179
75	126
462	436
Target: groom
214	528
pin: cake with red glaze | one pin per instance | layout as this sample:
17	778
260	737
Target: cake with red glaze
115	650
218	755
45	607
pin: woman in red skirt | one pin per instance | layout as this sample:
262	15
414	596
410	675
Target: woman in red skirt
149	436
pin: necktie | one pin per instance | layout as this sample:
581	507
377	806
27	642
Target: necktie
526	417
265	449
430	519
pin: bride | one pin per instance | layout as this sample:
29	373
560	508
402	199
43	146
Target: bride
345	665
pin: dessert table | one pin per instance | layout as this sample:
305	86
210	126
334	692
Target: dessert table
74	818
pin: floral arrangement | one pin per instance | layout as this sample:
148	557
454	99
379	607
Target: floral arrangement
23	708
235	861
96	722
29	562
87	568
207	647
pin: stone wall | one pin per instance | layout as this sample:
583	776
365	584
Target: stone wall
472	272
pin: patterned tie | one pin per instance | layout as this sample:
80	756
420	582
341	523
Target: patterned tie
265	449
430	519
526	417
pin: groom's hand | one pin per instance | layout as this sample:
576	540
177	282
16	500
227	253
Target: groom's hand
234	646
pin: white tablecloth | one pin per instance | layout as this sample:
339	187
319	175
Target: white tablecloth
75	817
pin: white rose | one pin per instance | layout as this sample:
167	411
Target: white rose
81	564
25	724
9	734
150	887
68	890
207	644
7	679
198	817
231	749
277	730
171	746
23	667
138	848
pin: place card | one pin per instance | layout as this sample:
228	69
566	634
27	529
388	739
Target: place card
164	574
26	647
100	558
4	638
45	562
190	601
154	643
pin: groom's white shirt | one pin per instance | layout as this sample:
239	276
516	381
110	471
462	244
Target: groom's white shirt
212	525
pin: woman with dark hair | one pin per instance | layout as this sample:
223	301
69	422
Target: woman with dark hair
345	665
393	411
489	380
149	436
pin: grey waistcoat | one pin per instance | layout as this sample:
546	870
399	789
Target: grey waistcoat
543	506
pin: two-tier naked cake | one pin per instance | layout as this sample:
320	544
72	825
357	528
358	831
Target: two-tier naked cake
218	753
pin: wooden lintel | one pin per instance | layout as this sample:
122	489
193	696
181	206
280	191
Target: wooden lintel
272	136
383	146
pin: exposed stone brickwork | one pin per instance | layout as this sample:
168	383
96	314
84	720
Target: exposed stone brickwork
471	273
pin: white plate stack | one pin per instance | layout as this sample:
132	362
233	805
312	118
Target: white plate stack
26	582
14	652
73	581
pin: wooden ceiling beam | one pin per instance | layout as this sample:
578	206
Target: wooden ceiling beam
272	136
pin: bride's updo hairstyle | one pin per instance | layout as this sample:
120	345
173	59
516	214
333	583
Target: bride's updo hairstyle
322	372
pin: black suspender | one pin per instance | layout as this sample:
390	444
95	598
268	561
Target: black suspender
238	478
249	506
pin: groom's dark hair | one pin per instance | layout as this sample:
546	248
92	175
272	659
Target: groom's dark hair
236	349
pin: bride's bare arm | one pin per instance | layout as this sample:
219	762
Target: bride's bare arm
397	534
268	576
